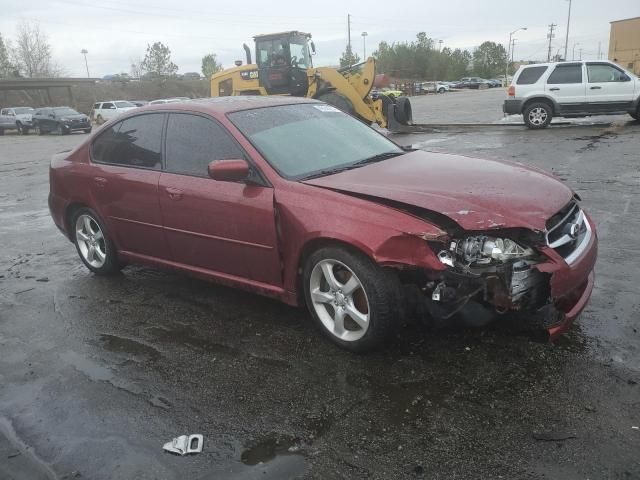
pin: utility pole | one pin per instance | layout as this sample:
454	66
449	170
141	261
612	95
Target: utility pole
513	45
550	36
440	45
599	50
580	54
566	39
349	31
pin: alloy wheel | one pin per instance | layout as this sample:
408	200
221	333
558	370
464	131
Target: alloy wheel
538	116
90	240
339	300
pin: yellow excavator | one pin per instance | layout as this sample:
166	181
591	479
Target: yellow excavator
284	67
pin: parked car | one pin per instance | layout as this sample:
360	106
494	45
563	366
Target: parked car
62	120
442	87
140	103
103	111
162	101
472	82
402	222
494	83
16	118
572	89
192	76
391	93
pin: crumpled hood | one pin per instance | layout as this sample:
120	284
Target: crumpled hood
477	194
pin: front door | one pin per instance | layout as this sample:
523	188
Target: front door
609	89
222	227
127	159
566	86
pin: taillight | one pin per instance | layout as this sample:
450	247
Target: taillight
512	90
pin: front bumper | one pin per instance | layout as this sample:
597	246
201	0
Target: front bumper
512	107
71	127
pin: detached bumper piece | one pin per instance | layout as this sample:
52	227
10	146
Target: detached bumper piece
185	444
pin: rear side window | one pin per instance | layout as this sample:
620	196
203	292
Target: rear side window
566	74
134	142
599	73
530	75
193	142
107	106
96	106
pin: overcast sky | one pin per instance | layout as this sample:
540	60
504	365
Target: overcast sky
116	31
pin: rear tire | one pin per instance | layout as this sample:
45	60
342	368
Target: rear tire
441	90
353	301
404	114
99	120
538	115
339	101
94	246
87	130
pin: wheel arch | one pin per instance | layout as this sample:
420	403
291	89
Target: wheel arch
316	243
541	99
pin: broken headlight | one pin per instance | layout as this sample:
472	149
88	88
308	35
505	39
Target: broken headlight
483	250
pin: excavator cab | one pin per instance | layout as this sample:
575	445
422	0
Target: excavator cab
283	60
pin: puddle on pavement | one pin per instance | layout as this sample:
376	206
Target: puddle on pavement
126	346
87	366
268	448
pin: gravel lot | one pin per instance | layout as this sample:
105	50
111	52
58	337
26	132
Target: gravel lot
98	373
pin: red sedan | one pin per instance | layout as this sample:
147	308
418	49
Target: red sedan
293	199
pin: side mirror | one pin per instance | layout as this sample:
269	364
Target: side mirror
229	170
313	48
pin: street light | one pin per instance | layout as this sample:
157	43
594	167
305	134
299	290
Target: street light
566	38
573	54
506	68
84	52
364	45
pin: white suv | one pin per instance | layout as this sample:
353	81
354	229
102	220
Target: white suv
572	89
103	111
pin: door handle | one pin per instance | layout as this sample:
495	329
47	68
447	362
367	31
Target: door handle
596	88
554	89
174	193
100	182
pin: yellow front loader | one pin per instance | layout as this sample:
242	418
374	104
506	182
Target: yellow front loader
284	67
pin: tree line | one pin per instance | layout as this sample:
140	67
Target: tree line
30	55
421	60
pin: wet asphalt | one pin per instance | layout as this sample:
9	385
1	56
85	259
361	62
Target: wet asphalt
96	374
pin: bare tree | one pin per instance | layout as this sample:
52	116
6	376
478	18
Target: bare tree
31	52
136	70
6	68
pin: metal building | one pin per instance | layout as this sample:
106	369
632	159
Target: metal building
624	44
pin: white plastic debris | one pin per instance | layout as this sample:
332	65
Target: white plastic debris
635	428
185	444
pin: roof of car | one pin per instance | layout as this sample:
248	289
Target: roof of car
230	104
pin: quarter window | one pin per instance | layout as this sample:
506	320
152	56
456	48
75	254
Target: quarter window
134	142
566	74
604	74
530	75
193	142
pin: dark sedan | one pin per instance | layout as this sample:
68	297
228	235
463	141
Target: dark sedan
62	120
294	199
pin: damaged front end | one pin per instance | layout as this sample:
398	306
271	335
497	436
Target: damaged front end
498	273
547	276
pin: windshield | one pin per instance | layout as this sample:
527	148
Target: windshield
283	51
64	111
124	104
21	110
306	140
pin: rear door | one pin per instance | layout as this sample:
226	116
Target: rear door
127	159
108	110
567	87
222	227
609	89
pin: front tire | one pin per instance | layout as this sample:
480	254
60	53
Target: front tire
339	101
538	115
87	130
99	120
441	90
95	247
353	301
